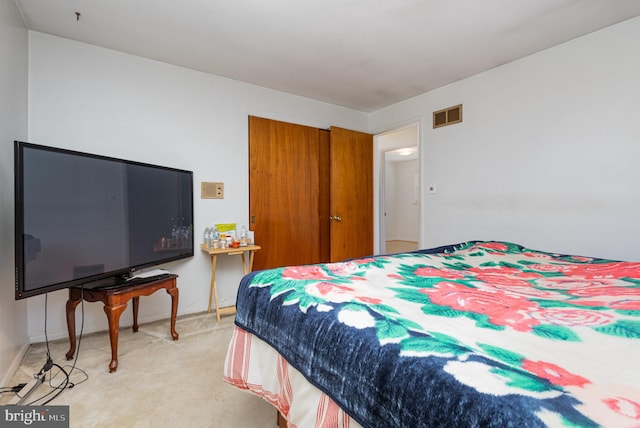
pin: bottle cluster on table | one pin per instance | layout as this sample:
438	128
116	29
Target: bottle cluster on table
213	239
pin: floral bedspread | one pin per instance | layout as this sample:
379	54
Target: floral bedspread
473	334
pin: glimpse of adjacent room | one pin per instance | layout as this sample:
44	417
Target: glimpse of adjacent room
399	189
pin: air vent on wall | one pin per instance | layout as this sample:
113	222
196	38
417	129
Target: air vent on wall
447	116
211	190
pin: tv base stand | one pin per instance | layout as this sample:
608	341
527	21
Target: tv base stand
115	302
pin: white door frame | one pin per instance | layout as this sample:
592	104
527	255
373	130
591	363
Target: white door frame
379	185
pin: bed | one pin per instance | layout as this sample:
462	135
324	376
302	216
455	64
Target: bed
480	333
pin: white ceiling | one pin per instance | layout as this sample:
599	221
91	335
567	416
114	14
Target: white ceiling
362	54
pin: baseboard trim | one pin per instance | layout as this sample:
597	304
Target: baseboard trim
15	364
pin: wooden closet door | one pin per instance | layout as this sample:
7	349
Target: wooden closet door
351	190
300	176
286	162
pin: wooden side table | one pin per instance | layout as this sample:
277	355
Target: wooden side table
213	290
115	302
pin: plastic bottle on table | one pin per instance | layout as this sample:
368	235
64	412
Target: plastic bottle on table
206	237
244	238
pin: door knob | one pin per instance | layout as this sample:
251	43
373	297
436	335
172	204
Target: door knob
335	218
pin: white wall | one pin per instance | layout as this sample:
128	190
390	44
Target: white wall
547	154
91	99
13	126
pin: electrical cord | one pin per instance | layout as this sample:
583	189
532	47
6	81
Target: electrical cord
16	388
75	359
56	390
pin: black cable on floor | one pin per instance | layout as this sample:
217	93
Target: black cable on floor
57	389
15	388
66	382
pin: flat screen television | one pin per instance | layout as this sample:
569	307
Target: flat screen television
90	220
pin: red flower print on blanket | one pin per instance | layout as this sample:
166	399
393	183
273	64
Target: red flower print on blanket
553	373
304	273
502	308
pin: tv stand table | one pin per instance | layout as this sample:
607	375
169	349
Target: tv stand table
115	302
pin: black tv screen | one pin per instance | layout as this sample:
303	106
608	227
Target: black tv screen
84	219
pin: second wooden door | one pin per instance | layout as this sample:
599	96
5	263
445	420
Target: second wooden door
350	194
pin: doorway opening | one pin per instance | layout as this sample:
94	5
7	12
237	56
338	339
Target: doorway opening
399	190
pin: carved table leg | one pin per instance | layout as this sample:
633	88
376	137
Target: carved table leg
71	324
174	310
113	316
136	304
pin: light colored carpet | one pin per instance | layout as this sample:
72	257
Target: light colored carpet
399	246
159	382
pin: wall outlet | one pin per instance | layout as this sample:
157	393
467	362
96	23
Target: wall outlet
210	190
